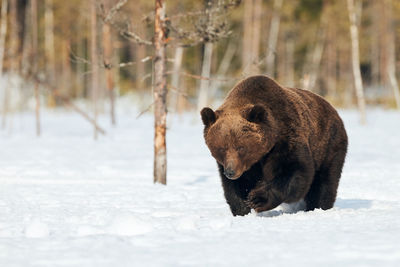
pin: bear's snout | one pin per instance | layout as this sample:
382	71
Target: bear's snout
229	172
233	167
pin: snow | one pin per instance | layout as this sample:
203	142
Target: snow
67	200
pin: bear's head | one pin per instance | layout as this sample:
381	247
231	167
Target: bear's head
238	139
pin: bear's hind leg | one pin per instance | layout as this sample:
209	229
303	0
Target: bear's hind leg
323	190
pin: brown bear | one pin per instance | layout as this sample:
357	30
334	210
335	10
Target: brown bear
275	145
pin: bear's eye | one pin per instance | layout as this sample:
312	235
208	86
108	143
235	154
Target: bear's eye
246	129
241	149
221	151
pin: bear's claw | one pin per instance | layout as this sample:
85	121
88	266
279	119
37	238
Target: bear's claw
261	199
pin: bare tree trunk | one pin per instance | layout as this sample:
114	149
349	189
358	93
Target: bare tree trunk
49	39
160	95
289	77
313	61
223	67
140	66
3	33
95	64
331	62
257	10
49	46
175	78
391	53
16	56
344	77
273	38
108	55
34	25
316	60
80	67
247	36
383	39
280	61
66	66
202	100
205	72
375	32
356	60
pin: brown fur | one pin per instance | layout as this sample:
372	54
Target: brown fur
276	145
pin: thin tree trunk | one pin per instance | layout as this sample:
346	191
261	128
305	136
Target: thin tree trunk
160	95
24	63
34	25
331	62
223	67
280	61
49	40
316	60
383	39
20	53
257	11
356	60
247	36
140	66
49	46
289	69
108	55
139	53
205	72
312	65
3	33
344	77
273	38
66	84
175	78
376	20
391	53
313	61
80	68
95	64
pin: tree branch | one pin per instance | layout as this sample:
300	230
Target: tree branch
114	10
194	76
67	102
108	18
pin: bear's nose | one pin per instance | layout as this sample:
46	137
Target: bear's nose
230	173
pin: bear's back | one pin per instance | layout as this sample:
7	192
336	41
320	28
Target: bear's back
300	113
255	87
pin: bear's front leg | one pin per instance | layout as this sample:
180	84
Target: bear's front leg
264	197
234	198
234	195
237	205
291	184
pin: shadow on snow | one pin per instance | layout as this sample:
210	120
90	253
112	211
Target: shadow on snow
354	204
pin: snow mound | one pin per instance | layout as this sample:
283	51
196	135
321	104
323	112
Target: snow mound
187	223
128	225
87	230
36	229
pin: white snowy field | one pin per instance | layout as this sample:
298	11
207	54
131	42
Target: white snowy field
67	200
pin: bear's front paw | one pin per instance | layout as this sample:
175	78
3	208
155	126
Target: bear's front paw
261	200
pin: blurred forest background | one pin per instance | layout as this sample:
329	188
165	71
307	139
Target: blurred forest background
183	55
46	50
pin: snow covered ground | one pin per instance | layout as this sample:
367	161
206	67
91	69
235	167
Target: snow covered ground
67	200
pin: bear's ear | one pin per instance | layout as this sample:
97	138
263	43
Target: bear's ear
256	114
208	116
